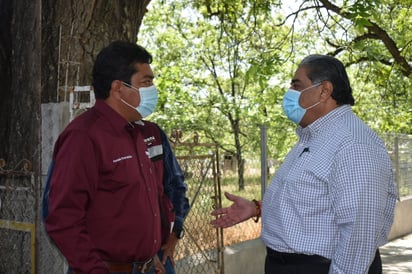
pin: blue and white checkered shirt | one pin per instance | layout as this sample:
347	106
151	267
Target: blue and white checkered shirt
334	195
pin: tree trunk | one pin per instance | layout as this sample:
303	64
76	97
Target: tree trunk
239	155
71	33
74	31
20	47
46	47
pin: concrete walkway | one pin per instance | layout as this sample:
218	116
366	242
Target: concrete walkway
249	257
397	256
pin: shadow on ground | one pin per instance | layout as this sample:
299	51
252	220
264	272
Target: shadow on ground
397	256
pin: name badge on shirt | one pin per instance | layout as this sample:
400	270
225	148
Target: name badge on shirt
155	152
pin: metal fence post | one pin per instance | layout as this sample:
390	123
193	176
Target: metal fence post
263	159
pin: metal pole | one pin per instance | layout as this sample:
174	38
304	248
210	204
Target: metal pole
263	159
397	177
58	64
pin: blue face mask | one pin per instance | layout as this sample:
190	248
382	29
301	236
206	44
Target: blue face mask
148	100
292	107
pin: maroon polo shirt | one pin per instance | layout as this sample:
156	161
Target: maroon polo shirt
103	201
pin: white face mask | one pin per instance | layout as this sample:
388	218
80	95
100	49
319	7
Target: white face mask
292	107
148	99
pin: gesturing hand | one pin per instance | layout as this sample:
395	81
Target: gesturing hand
241	210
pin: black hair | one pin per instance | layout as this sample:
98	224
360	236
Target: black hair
325	67
117	62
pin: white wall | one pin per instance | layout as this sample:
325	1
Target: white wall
402	224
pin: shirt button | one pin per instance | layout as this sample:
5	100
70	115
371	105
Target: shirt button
155	241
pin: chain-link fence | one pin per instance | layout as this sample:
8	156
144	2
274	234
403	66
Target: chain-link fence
400	149
26	249
24	245
200	251
18	193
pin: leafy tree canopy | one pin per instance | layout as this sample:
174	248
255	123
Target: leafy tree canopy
223	66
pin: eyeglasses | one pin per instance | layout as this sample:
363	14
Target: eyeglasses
312	86
130	86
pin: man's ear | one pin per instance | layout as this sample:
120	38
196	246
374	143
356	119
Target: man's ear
327	89
115	88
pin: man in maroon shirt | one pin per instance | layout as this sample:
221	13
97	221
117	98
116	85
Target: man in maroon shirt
106	188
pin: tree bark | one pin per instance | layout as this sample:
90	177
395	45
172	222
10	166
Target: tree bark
73	32
45	45
20	47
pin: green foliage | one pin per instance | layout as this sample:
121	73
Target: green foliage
252	190
214	61
361	35
223	66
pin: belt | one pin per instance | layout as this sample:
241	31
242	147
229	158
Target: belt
295	258
142	267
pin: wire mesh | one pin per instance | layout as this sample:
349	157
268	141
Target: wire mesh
200	251
17	219
400	150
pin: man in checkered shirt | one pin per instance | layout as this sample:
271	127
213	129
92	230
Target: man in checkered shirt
331	204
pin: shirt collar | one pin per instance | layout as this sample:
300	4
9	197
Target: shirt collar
115	119
323	122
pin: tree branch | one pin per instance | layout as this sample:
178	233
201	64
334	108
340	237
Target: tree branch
376	32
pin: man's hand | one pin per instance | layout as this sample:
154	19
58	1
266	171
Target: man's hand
241	210
169	248
158	266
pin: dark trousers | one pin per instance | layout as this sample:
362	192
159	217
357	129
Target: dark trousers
285	263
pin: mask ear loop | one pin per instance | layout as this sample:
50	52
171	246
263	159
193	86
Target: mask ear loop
312	106
132	87
127	104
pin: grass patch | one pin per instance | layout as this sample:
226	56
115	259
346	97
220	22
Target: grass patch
252	188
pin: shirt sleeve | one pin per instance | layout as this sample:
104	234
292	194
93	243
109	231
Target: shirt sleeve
73	184
361	180
175	187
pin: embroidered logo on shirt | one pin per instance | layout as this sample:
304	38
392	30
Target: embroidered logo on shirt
122	158
149	140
